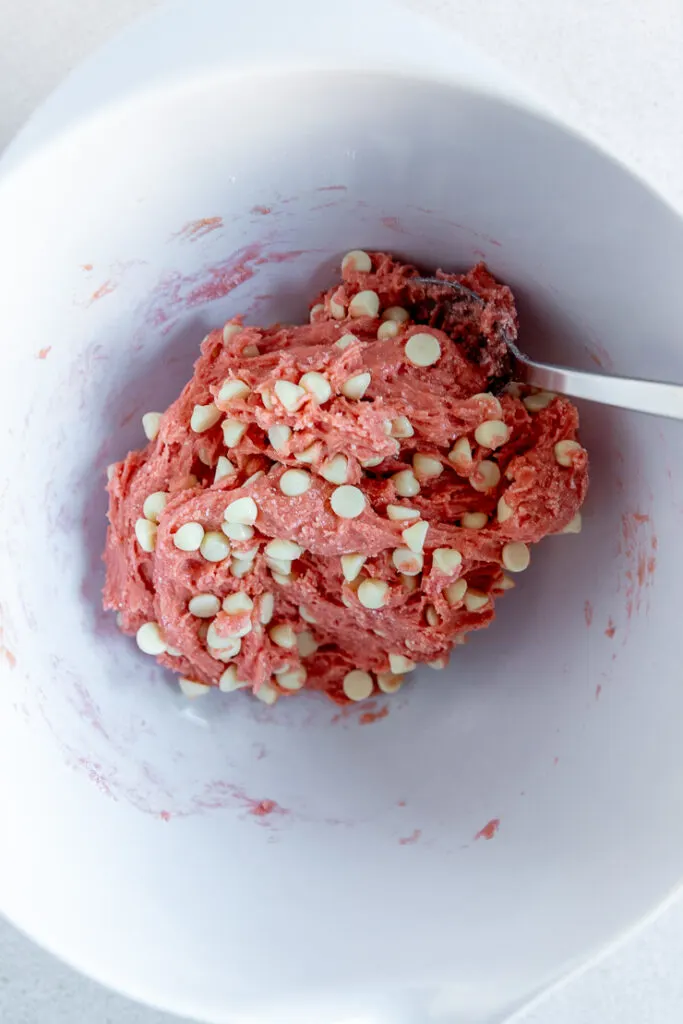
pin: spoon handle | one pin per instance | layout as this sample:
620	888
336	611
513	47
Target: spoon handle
648	396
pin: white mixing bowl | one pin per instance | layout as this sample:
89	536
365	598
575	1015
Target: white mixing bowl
509	815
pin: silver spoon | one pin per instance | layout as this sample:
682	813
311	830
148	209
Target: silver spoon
654	397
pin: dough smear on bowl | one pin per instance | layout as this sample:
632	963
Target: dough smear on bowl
326	506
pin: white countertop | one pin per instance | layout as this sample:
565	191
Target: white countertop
613	69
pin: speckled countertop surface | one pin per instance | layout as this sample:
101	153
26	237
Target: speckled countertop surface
613	69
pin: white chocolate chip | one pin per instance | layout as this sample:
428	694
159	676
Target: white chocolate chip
146	534
347	502
574	526
235	604
111	469
229	681
351	566
397	314
407	562
214	546
150	639
267	399
283	636
426	466
230	331
247	553
337	310
373	593
306	644
565	452
242	562
266	694
369	463
475	601
415	535
173	652
241	627
495	409
254	476
447	560
506	583
486	476
230	642
223	648
266	608
223	655
250	350
242	510
386	330
402	512
240	567
358	261
151	422
279	435
204	606
504	512
294	482
203	456
474	520
291	395
515	556
238	531
189	537
422	349
233	432
306	615
410	583
365	303
191	688
492	434
233	390
335	470
389	682
399	664
541	400
286	549
355	387
438	664
311	454
292	679
316	310
431	615
280	566
345	341
401	427
357	685
224	468
406	483
154	505
204	417
455	592
318	385
461	454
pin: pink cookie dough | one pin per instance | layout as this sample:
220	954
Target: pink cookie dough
327	505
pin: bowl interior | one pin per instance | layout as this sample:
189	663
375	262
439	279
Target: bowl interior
464	835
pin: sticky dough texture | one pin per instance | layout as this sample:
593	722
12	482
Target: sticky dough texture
442	403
